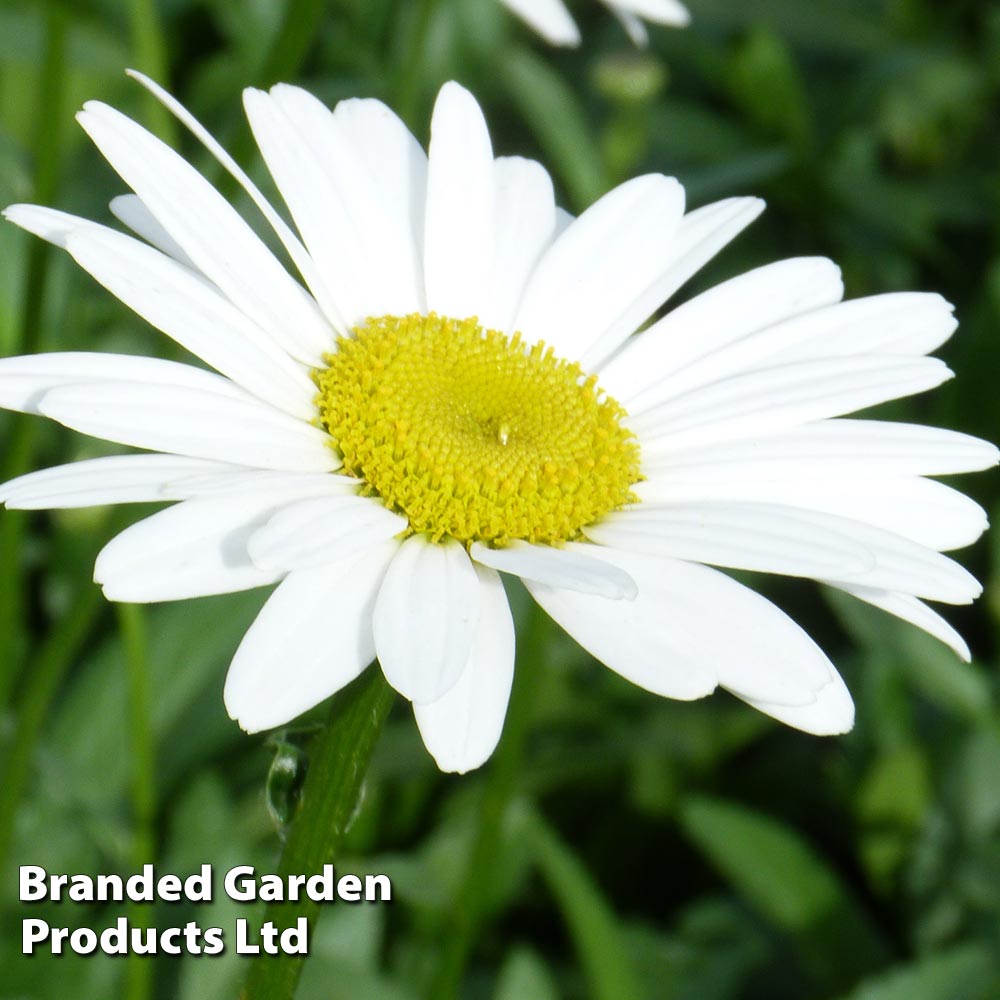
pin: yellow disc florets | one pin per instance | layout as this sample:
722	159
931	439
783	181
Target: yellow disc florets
473	435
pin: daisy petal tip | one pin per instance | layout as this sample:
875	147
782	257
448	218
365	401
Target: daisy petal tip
453	94
19	213
243	714
253	97
830	713
249	727
90	110
450	762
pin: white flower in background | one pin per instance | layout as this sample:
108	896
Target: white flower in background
459	392
553	21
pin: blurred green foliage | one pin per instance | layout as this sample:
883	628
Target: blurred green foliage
647	849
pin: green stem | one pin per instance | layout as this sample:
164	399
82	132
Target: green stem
284	58
45	673
48	164
293	41
466	913
593	927
150	50
338	760
409	88
132	627
12	528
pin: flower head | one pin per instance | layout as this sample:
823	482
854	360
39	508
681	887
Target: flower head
553	21
457	390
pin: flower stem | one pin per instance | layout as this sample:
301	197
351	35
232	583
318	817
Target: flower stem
293	41
150	50
45	673
299	29
132	627
410	79
338	760
47	149
465	915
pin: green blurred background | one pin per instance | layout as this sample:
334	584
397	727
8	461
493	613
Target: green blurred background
646	849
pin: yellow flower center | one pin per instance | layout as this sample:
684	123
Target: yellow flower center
472	434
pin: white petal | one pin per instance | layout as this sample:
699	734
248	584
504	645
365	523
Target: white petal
549	18
395	162
787	540
830	449
689	623
657	11
910	327
912	323
572	569
313	636
778	398
597	276
50	224
97	481
288	239
174	300
211	232
922	510
707	327
461	729
252	481
911	610
56	227
458	239
633	26
191	421
24	380
525	226
643	640
699	237
765	539
425	617
366	254
322	529
129	209
193	549
831	714
379	199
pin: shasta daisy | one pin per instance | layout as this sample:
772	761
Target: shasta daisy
456	389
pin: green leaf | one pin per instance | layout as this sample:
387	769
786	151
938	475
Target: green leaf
191	644
716	946
524	976
766	83
892	804
967	972
777	872
975	784
554	114
848	26
591	921
930	666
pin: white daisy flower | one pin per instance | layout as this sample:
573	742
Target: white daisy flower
555	24
459	393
